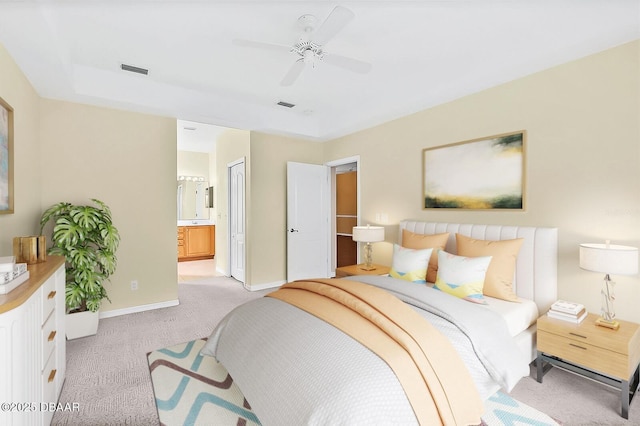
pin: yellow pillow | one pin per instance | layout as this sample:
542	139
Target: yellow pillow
436	242
498	282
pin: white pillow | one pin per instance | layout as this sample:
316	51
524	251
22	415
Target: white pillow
410	264
462	276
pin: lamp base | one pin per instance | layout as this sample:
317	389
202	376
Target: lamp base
612	324
364	267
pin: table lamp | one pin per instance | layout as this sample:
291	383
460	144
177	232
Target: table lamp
368	234
608	259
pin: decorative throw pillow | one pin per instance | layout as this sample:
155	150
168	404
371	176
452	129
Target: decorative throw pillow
499	280
462	276
436	242
409	264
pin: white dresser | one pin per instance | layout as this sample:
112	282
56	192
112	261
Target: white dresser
33	346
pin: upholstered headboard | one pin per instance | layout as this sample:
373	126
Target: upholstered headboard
536	274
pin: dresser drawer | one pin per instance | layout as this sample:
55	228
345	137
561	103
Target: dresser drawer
49	393
48	339
48	298
584	354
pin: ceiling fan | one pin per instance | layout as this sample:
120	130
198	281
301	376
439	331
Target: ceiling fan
309	47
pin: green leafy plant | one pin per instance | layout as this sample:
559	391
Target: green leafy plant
86	237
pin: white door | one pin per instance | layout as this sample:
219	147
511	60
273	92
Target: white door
237	220
307	221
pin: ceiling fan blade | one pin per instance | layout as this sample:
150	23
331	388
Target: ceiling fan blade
337	19
293	73
262	45
350	64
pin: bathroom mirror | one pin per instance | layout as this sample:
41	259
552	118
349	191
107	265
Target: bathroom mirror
193	199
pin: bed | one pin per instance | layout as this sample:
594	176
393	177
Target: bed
535	277
296	365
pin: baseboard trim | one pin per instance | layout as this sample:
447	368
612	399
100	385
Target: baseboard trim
265	286
141	308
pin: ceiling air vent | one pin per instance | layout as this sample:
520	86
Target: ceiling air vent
286	104
131	68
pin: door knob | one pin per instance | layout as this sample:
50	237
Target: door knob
293	230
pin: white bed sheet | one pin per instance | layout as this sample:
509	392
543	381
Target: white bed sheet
518	316
521	321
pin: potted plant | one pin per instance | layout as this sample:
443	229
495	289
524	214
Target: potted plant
86	237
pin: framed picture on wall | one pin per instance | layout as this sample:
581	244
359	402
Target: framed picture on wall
480	174
6	158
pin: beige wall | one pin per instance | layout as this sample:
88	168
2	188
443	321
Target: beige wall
16	90
583	158
128	161
213	181
268	212
193	164
70	152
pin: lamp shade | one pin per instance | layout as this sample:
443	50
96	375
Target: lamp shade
368	234
609	259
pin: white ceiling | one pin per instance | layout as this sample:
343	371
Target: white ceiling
423	53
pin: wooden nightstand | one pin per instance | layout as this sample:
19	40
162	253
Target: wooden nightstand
608	356
347	271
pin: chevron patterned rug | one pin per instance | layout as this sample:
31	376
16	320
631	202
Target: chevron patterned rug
191	389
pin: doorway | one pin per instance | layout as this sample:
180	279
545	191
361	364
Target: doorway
345	210
346	214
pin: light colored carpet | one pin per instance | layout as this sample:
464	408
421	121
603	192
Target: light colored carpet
108	374
575	400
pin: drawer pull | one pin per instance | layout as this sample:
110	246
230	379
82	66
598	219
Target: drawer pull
578	335
51	295
52	336
576	346
52	375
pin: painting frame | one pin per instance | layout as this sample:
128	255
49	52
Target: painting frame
487	173
6	158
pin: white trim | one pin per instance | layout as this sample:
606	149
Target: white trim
265	286
141	308
340	162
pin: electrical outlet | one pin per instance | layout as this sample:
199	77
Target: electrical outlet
134	285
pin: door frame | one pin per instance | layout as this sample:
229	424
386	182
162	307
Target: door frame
244	207
333	165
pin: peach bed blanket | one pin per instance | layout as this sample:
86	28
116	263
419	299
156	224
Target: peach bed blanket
433	376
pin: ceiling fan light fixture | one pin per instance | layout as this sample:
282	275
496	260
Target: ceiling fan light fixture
308	57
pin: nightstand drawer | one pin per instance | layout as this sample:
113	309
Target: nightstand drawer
623	341
578	352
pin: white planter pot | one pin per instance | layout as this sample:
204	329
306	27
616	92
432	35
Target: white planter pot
81	324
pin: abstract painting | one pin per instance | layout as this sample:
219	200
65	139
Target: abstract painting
480	174
6	158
